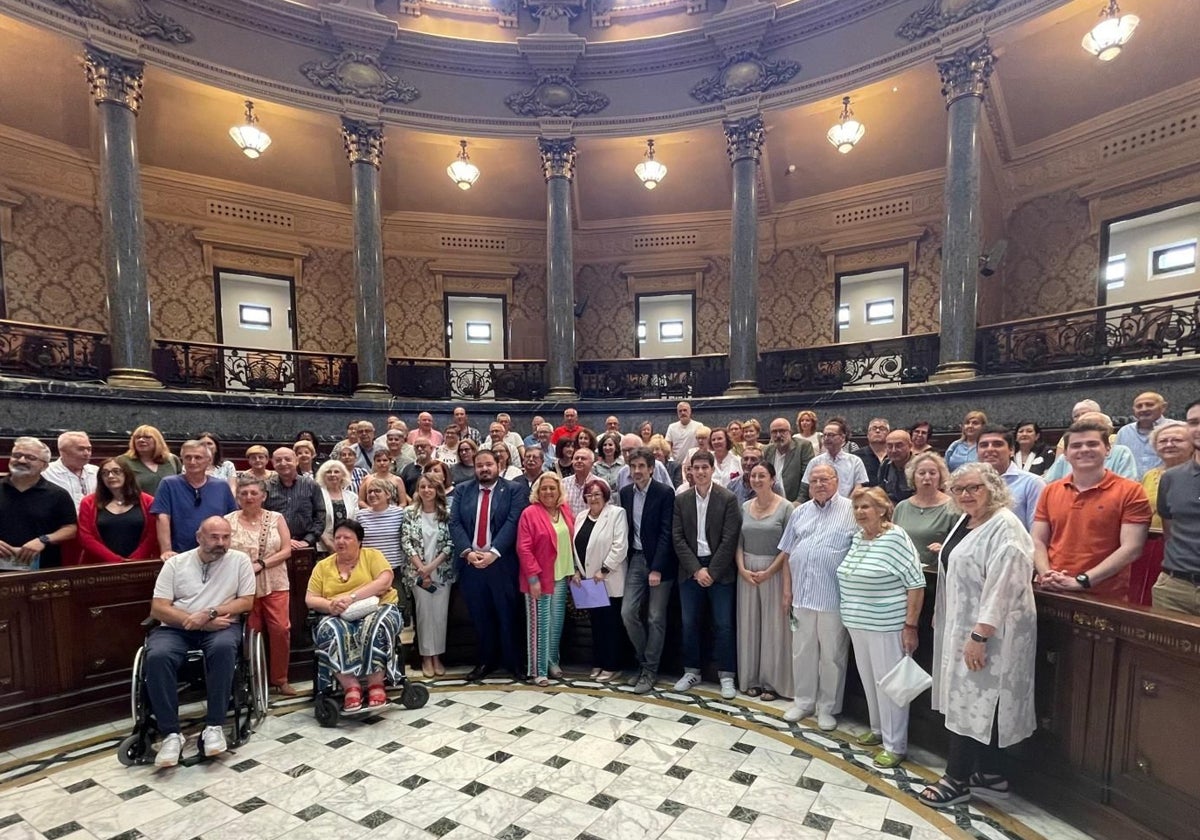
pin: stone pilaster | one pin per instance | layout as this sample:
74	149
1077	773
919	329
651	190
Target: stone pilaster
558	168
744	138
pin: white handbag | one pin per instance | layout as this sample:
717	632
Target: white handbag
905	682
361	608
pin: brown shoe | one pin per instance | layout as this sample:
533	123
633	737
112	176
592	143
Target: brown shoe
284	689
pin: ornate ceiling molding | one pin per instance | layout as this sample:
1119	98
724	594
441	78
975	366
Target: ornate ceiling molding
939	15
556	95
114	79
132	16
359	74
743	73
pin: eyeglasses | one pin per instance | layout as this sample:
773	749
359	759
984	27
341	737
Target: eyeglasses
966	489
374	490
114	471
593	496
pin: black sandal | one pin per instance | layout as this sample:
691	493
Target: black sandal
769	696
945	793
988	786
754	691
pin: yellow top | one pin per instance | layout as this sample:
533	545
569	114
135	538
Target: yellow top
1150	485
327	583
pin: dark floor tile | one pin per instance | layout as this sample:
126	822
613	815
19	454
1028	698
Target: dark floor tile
814	785
746	815
78	786
799	753
420	724
375	819
500	756
134	793
519	731
556	761
536	795
413	782
628	740
616	767
585	836
444	752
288	738
442	827
678	772
742	748
243	766
683	743
299	770
670	806
587	713
572	735
473	788
249	805
11	819
742	778
61	830
690	720
192	798
311	812
636	716
390	747
491	707
468	727
445	703
817	821
602	801
372	720
338	742
131	834
537	710
355	776
513	832
898	829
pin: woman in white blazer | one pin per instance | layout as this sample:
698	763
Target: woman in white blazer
341	503
601	543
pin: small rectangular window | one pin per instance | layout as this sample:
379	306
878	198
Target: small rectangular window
670	331
449	329
641	331
844	315
251	316
881	311
1173	259
479	332
1114	272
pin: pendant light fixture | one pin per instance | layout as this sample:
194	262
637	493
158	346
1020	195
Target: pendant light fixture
649	170
1111	34
251	139
461	170
847	131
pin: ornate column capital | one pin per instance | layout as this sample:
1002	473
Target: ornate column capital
965	71
114	79
363	142
558	157
744	138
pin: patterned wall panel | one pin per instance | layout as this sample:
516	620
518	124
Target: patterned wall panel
712	309
1053	260
795	304
325	301
925	283
527	313
416	317
53	272
605	330
182	305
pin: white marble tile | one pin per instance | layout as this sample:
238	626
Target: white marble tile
464	832
773	765
427	804
481	698
457	770
517	775
659	730
261	823
191	821
787	802
648	755
129	814
627	821
642	787
709	793
301	792
483	742
239	787
20	831
454	715
766	742
714	734
578	781
858	807
694	823
824	771
325	826
491	811
559	818
506	719
619	706
663	712
397	766
302	751
715	761
566	701
605	726
767	827
363	797
594	751
537	746
520	698
346	759
431	738
552	722
51	807
399	830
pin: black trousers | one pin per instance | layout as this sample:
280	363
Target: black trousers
969	756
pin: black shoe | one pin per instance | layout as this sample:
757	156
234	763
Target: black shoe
520	676
479	672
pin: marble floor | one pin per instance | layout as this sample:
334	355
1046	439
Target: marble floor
576	761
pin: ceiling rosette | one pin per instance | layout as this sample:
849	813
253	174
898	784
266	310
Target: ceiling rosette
556	95
939	14
359	74
745	71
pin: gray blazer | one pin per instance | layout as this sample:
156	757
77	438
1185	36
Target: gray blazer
794	464
722	527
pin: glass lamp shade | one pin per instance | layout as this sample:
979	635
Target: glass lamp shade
846	133
1111	34
463	172
650	172
251	139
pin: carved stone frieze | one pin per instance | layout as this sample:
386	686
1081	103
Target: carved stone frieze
744	138
114	79
965	71
742	73
939	14
363	142
133	16
356	73
554	16
558	157
556	95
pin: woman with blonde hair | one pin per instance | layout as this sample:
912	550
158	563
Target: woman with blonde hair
341	503
546	555
149	458
807	429
751	431
962	451
927	516
425	540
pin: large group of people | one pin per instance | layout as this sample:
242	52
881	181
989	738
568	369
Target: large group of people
784	557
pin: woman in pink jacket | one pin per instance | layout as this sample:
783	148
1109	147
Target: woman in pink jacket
547	557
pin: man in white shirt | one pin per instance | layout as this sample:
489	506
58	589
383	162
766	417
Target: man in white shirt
682	434
514	440
199	598
71	470
850	469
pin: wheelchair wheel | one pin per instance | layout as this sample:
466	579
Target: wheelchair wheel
134	749
414	696
259	688
327	711
137	697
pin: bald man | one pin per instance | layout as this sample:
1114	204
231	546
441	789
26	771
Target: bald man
298	498
1148	411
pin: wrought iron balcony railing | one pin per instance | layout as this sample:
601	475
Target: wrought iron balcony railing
1152	329
467	379
682	377
892	361
218	367
53	352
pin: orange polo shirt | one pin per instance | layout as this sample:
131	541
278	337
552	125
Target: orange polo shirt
1085	525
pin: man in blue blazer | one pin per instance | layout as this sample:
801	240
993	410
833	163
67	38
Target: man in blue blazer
485	551
651	568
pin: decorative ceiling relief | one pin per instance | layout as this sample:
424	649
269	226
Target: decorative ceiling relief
504	12
359	74
132	16
744	72
939	14
556	95
604	12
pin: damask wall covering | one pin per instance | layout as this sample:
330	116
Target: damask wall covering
1054	259
181	292
325	301
795	300
416	317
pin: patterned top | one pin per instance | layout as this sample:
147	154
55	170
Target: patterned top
425	536
381	530
249	540
874	580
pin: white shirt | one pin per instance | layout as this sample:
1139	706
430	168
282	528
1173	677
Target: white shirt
702	549
77	485
682	438
191	584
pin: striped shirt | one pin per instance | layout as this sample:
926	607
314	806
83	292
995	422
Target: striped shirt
381	530
850	469
875	578
816	541
573	491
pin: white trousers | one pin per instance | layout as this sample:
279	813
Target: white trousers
876	654
819	649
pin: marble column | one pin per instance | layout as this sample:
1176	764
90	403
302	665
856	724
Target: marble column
743	141
964	74
558	168
116	86
364	148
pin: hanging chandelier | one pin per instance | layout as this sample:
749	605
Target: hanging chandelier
847	131
461	170
1111	34
649	170
251	139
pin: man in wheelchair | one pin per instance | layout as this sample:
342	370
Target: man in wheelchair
199	598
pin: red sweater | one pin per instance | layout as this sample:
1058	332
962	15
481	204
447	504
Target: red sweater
94	549
537	545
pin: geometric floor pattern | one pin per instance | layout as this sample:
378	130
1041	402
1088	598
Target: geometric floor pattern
577	761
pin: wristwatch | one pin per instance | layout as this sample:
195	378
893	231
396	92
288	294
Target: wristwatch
605	570
975	637
1084	581
45	540
212	613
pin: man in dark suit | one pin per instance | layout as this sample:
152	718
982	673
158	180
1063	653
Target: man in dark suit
651	568
705	531
483	526
789	457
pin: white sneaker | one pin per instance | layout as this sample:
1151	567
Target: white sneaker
213	739
826	722
687	682
728	689
794	713
168	753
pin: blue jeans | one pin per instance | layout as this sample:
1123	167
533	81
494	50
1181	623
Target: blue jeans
648	635
166	649
695	600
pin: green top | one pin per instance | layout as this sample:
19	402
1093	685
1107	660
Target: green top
874	580
925	526
564	564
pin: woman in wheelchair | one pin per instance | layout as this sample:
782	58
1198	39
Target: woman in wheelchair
357	637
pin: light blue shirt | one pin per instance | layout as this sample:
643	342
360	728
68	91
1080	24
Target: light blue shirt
1026	488
960	452
1143	453
816	540
850	469
1120	460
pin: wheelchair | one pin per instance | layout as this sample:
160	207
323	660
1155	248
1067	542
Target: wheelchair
248	701
327	691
